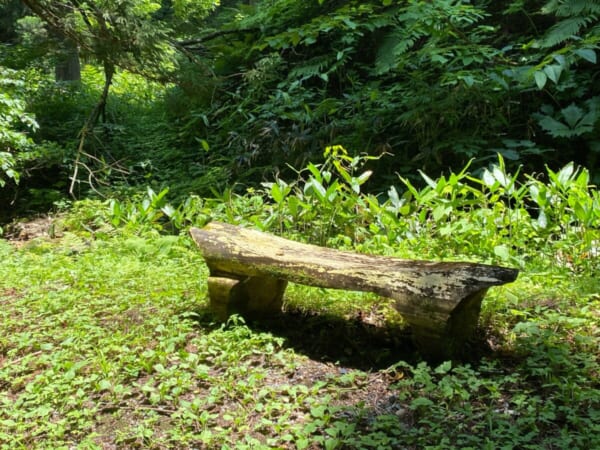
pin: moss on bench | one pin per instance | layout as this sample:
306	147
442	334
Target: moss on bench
441	301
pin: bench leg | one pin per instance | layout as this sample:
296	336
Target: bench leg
251	297
449	339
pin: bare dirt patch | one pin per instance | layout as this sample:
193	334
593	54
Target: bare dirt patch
42	227
9	295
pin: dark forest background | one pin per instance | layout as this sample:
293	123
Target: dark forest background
200	96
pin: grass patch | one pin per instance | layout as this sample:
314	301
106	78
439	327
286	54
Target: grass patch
107	343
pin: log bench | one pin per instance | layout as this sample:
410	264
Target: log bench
441	301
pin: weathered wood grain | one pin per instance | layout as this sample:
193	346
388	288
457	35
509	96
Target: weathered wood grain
440	300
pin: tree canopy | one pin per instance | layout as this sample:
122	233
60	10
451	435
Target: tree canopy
255	86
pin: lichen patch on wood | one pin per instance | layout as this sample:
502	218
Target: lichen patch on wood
440	300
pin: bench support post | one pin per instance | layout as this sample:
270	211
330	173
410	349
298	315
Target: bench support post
449	338
249	296
441	301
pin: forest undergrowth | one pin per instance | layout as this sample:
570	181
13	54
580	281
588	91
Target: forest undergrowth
461	119
107	341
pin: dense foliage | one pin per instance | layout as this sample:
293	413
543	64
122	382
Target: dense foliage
433	83
451	129
108	342
250	87
13	116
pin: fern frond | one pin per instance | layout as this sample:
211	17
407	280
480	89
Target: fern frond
393	46
563	30
314	67
562	8
385	59
594	33
550	7
578	8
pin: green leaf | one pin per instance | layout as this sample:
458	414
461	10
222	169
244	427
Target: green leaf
583	179
587	53
542	220
538	195
115	210
363	177
468	80
432	184
342	171
564	175
572	114
563	30
315	186
488	179
276	193
444	368
104	385
421	402
293	205
513	155
553	72
350	24
332	191
577	122
205	144
439	59
502	177
440	212
302	443
502	252
582	213
318	411
554	127
314	170
168	210
393	196
540	79
560	59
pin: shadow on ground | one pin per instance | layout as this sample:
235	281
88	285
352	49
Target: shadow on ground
348	342
351	343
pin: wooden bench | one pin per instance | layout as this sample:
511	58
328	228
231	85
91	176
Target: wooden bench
441	301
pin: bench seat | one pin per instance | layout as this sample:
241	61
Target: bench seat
441	301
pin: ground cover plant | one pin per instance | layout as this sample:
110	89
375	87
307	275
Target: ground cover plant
162	115
198	94
107	342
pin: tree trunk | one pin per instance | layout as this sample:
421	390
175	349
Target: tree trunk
67	67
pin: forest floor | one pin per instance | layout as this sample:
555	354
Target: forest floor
107	343
19	233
